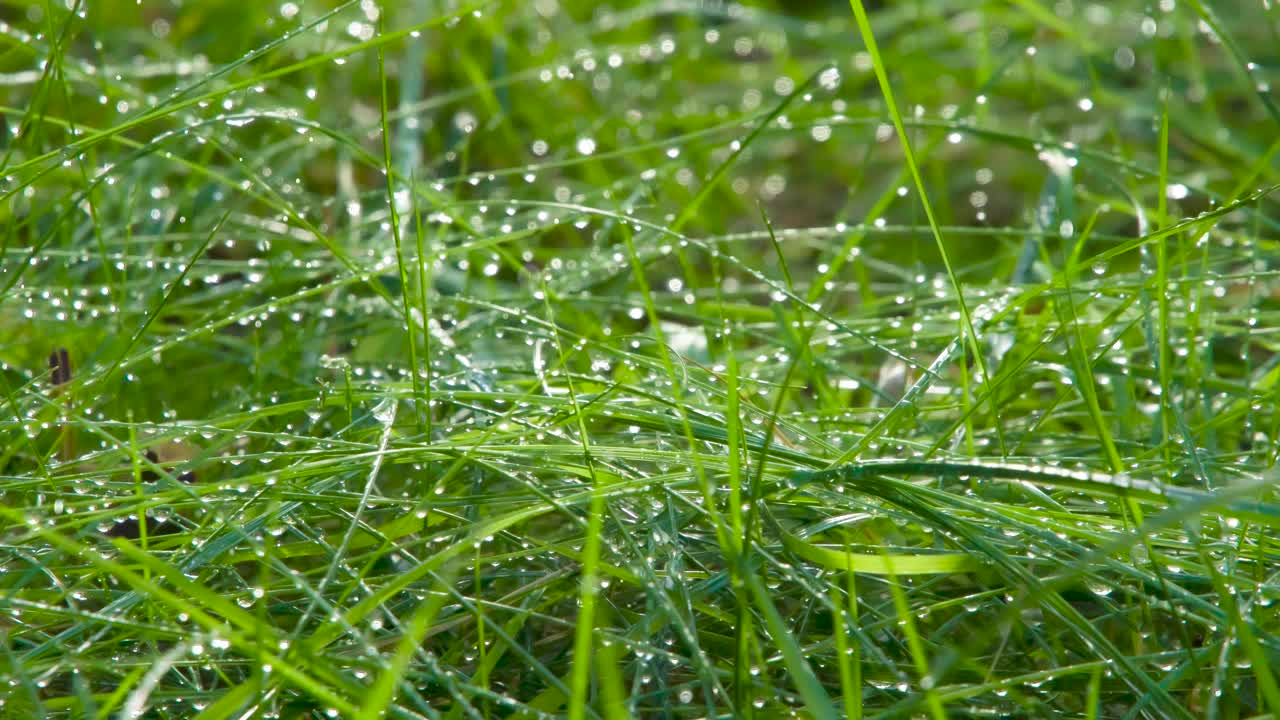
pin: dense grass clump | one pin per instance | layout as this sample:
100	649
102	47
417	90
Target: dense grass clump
675	359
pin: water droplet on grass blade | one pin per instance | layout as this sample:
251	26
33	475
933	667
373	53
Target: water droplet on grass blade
385	412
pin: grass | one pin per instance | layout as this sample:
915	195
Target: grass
444	360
